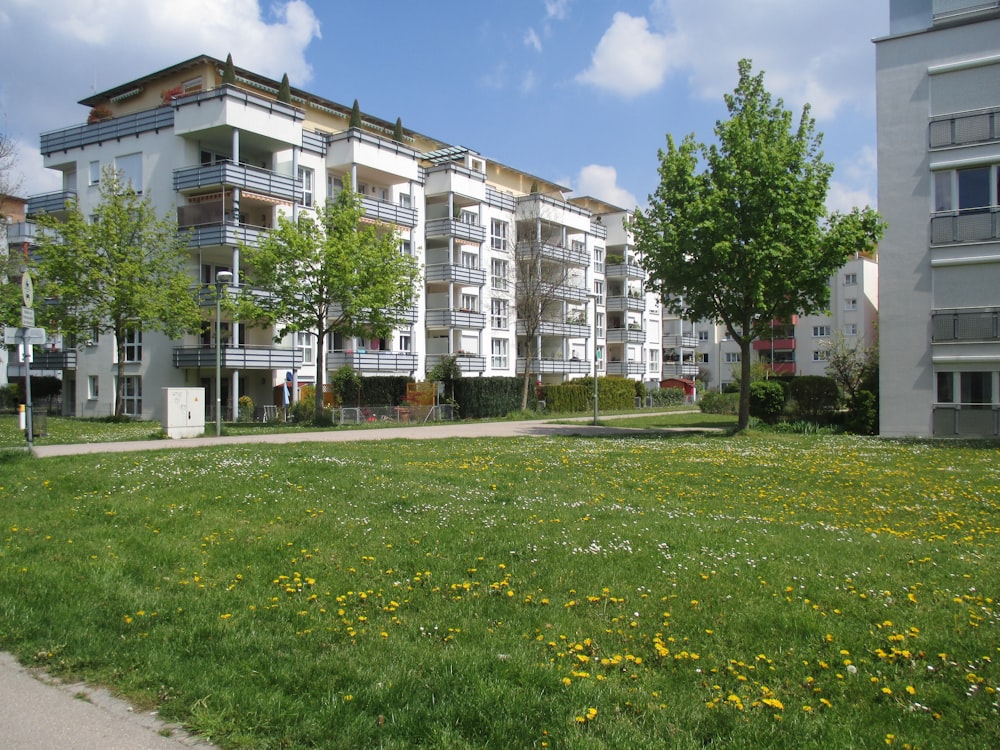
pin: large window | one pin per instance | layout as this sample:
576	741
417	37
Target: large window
498	234
306	179
598	259
304	342
499	314
599	291
499	274
963	189
499	348
470	303
133	346
976	388
821	332
133	395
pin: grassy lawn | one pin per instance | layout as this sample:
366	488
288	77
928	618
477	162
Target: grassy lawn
682	419
682	592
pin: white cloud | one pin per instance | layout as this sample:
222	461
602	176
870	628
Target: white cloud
529	82
29	175
780	37
601	182
531	40
854	183
557	9
630	59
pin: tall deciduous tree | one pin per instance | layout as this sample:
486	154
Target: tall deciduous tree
330	273
122	271
11	264
737	232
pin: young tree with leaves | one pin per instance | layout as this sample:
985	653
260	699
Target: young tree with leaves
330	273
738	232
121	272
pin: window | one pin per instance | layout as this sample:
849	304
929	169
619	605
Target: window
821	355
851	304
702	358
599	353
703	335
133	395
130	169
962	189
599	259
499	271
470	260
821	332
946	387
304	341
93	387
306	178
850	279
600	325
469	217
406	248
732	357
405	200
94	173
499	348
654	359
133	345
850	329
499	314
191	85
976	388
498	234
599	291
470	303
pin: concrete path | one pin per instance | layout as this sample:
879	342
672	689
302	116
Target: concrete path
38	713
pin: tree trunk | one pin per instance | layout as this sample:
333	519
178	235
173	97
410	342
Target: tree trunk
320	372
743	421
120	385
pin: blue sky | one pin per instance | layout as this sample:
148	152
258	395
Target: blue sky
578	91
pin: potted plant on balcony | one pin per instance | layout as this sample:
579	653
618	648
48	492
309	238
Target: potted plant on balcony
99	113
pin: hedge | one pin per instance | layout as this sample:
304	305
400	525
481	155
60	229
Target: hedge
483	398
815	395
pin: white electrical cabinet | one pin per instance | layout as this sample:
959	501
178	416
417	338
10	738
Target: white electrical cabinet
185	412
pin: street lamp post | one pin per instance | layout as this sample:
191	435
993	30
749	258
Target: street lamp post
222	278
594	297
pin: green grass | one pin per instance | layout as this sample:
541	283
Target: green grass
681	419
682	592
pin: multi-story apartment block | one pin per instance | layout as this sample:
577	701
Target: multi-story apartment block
230	158
799	346
938	76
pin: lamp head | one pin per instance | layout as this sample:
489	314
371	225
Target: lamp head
224	277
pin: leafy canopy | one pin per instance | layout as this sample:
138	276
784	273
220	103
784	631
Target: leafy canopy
737	232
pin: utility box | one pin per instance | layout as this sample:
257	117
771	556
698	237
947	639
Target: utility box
185	412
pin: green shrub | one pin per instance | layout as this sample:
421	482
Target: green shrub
667	396
561	399
815	395
862	414
767	400
346	385
483	398
304	408
245	406
613	394
719	403
383	390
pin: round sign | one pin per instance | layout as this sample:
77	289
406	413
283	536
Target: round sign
27	290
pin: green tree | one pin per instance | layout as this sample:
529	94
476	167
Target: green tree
330	273
11	262
397	131
737	232
122	271
355	120
229	72
285	90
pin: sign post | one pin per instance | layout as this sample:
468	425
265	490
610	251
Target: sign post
28	334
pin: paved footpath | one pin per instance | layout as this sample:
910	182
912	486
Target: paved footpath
39	713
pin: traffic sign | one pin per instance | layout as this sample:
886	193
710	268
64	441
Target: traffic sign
24	335
27	289
27	317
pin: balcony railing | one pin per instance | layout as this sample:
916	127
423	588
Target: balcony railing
497	199
626	336
465	362
566	255
368	361
239	357
624	271
458	274
598	230
455	228
966	420
222	233
22	232
959	130
773	345
44	360
622	303
455	319
555	328
678	370
626	369
392	213
49	203
550	366
255	179
976	225
965	326
560	291
679	341
115	129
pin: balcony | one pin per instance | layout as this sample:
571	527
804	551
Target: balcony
455	228
22	233
222	233
626	336
678	370
626	369
497	199
44	360
465	319
598	230
773	345
229	106
384	155
373	362
961	130
965	326
624	271
965	420
679	341
115	129
459	274
244	176
390	213
570	256
974	225
465	362
239	357
546	366
49	203
555	328
560	291
622	303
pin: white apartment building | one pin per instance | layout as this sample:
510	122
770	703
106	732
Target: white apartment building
229	158
938	76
